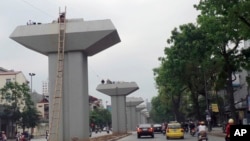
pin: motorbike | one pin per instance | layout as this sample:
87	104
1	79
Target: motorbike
192	132
164	132
186	129
202	136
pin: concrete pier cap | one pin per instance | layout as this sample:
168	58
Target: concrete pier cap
118	92
89	37
117	88
133	101
82	39
140	107
145	112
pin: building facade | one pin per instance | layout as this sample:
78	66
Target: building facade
11	76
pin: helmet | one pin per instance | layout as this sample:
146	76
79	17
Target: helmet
231	121
202	122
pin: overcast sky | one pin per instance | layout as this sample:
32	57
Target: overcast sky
143	27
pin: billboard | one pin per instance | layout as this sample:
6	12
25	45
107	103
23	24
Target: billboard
215	108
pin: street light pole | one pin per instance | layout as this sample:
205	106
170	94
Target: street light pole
31	74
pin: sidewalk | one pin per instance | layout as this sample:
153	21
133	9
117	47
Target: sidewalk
217	131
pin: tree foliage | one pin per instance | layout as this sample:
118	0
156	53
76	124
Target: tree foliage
100	117
13	97
225	26
30	118
204	56
18	106
180	71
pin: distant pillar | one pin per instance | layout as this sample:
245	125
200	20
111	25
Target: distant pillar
138	113
131	103
118	92
143	116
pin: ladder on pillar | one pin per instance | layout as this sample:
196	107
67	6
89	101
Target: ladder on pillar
57	97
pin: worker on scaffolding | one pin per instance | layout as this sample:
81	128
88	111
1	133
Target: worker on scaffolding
61	18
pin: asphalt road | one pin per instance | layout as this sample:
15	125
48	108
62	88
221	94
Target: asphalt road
158	137
93	135
161	137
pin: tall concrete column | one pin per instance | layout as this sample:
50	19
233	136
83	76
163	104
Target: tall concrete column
131	103
138	112
143	116
118	92
146	114
83	39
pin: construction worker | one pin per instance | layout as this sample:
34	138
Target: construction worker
61	18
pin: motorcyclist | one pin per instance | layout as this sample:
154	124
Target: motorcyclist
202	129
230	122
191	126
186	127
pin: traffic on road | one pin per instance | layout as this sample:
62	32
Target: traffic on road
161	137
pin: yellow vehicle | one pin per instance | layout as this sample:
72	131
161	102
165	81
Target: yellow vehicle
174	130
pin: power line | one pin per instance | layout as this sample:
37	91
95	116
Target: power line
44	12
33	6
97	75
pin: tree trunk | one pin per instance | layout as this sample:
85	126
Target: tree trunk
196	105
230	93
176	106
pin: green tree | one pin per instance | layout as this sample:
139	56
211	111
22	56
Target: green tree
13	96
225	24
17	103
100	117
171	87
161	111
235	10
183	69
30	118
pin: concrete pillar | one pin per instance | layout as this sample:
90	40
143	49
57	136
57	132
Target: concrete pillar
131	103
143	116
118	92
139	108
83	39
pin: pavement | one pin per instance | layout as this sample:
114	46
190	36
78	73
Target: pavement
217	131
